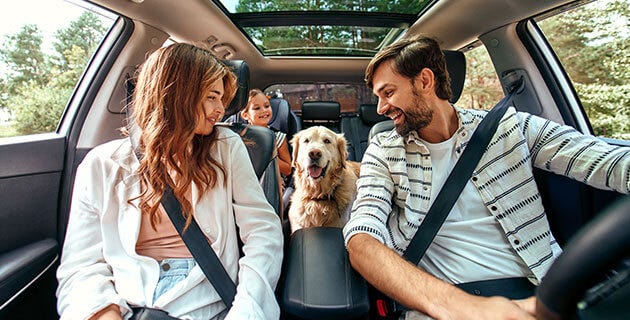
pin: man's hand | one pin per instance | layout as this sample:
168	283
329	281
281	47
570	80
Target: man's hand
473	307
418	290
529	305
467	306
111	312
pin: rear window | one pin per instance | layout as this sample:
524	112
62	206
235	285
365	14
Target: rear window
349	96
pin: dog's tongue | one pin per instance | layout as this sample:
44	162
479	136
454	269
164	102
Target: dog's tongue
315	171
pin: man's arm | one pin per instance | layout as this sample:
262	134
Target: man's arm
563	150
418	290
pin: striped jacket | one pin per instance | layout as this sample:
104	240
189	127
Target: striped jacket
394	190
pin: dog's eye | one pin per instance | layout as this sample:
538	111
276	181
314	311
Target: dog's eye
326	141
306	141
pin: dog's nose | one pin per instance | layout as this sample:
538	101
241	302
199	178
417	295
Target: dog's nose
315	154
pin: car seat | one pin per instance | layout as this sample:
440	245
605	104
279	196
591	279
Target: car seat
259	141
284	119
356	129
322	113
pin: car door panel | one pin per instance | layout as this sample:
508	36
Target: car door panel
30	175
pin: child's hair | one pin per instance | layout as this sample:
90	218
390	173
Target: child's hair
252	93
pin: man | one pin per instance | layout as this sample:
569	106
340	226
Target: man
497	228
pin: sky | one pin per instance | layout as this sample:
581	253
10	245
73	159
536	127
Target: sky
48	15
229	4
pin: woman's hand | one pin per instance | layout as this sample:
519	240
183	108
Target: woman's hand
111	312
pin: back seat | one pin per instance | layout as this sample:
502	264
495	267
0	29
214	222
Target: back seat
284	119
356	129
321	113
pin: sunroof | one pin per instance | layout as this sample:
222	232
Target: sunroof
387	6
320	40
322	27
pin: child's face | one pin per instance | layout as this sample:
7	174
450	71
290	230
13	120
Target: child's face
258	110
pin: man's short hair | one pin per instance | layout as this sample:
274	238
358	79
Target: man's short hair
409	57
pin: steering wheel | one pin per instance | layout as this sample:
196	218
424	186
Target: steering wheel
601	244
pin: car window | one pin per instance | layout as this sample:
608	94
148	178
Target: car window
482	88
349	96
592	43
44	48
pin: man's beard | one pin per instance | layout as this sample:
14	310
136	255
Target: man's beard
417	116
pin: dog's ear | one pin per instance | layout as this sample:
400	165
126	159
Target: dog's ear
342	148
295	144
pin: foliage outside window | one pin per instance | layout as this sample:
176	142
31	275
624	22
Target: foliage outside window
482	88
36	77
592	43
336	40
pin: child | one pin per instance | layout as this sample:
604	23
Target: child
258	112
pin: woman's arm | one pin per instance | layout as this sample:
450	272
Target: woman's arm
260	230
85	279
111	312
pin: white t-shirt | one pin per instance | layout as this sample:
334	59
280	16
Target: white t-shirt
470	245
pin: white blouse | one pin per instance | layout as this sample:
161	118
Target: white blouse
99	263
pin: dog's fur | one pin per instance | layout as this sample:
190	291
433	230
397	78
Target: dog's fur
325	182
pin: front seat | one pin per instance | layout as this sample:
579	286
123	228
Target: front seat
259	141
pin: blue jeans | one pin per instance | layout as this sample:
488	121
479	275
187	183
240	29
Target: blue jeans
172	271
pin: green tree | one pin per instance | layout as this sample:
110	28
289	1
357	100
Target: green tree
482	89
307	39
84	33
37	87
25	62
592	50
592	43
37	109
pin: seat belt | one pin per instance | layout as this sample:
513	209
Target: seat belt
194	239
455	182
448	195
200	249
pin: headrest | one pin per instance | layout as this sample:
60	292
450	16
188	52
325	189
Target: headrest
367	113
456	66
241	70
321	110
280	109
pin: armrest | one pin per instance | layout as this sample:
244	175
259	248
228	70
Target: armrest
320	283
20	267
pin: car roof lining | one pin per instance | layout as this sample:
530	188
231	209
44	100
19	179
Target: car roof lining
454	22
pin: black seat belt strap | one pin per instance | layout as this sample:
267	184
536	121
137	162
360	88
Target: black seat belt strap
455	182
200	249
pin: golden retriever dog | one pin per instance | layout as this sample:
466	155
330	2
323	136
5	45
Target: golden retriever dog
325	182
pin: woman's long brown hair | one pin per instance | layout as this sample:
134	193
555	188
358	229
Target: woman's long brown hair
167	102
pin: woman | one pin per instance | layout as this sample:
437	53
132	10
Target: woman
121	249
258	112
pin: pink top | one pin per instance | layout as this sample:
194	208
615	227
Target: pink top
162	243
